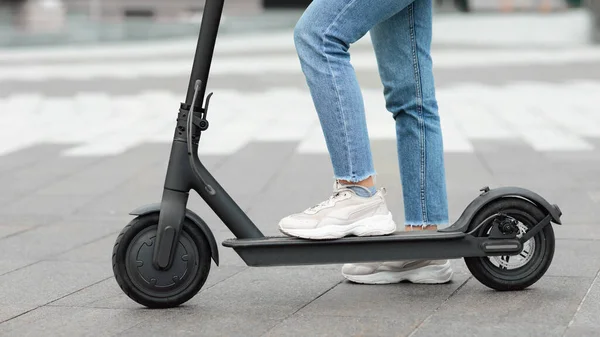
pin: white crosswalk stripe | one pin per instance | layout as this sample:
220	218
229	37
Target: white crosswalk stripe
548	117
283	64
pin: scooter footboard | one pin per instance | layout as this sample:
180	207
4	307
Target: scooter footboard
280	251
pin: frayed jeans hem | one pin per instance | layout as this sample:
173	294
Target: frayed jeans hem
356	178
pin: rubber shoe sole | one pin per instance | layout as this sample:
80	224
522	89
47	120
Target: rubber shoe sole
432	274
377	225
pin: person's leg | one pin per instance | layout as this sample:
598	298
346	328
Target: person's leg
323	37
402	45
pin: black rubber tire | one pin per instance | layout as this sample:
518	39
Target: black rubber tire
528	274
192	236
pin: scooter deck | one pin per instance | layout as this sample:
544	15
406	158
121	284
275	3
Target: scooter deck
282	250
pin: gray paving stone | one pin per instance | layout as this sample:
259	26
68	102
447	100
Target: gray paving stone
123	199
59	205
411	302
44	241
587	315
514	159
467	172
534	180
589	179
250	169
9	230
552	301
584	232
574	158
576	204
27	220
143	188
48	281
576	258
304	181
32	156
267	293
491	147
107	174
193	323
459	267
595	195
9	311
458	327
385	156
6	266
80	322
458	201
306	172
511	164
595	141
98	251
107	293
300	325
581	331
28	179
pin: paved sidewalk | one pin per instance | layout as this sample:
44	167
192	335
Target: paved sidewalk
78	152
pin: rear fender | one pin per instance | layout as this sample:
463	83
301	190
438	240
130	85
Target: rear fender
490	195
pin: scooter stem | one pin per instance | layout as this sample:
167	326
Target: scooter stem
185	171
207	38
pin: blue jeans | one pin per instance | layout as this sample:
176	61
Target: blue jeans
401	33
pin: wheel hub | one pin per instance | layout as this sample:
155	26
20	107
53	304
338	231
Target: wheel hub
518	261
155	282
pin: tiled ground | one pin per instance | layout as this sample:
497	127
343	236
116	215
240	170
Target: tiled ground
60	213
58	227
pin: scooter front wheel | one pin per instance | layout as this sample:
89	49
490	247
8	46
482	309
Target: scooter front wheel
506	273
152	287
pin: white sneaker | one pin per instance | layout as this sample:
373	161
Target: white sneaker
416	271
343	214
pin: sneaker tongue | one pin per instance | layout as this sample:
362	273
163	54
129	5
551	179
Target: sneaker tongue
337	186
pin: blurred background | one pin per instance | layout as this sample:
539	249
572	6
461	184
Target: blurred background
25	22
89	93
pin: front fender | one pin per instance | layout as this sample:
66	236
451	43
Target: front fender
197	220
488	196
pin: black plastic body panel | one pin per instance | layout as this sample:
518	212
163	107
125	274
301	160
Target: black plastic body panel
464	221
170	219
284	251
152	208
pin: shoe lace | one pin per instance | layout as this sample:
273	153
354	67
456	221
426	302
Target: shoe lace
325	203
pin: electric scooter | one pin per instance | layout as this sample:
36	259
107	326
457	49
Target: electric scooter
162	258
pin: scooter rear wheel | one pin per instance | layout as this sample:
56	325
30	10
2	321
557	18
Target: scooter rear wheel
507	273
149	286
